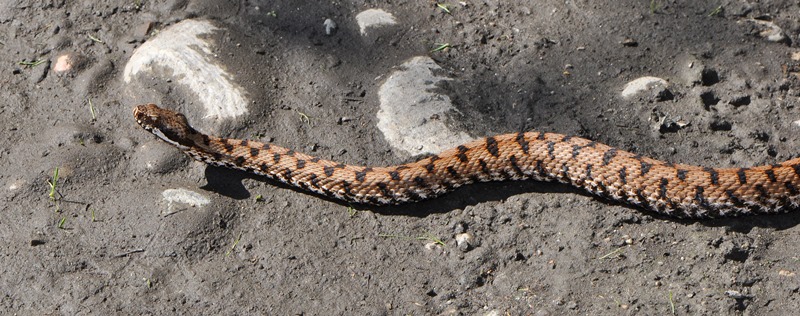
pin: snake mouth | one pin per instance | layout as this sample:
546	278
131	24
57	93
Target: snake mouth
144	116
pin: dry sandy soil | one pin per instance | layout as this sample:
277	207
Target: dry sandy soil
109	243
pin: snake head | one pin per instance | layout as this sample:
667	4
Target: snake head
168	125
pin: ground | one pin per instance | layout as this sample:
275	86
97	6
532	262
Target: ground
105	240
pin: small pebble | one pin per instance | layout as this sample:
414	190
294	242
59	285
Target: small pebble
465	241
629	42
330	27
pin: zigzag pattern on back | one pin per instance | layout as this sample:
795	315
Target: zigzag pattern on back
672	189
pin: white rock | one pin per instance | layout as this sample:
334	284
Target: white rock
769	30
330	26
374	18
408	109
642	84
63	63
183	196
465	241
182	49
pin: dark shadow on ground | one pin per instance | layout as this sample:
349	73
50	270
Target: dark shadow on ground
228	182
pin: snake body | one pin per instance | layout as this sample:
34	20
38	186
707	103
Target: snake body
676	190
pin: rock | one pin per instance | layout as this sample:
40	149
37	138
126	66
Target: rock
408	101
374	18
185	49
768	30
63	63
330	27
182	196
639	85
629	42
465	241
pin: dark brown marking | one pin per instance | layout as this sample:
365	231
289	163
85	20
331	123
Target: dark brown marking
287	174
239	160
640	196
384	189
609	155
523	143
645	168
576	150
742	175
565	172
228	147
622	175
771	175
206	140
513	161
491	146
328	170
796	168
452	172
602	190
245	143
276	158
789	186
699	197
669	164
394	175
312	179
462	156
681	173
484	167
762	191
589	172
662	189
315	160
339	166
734	199
591	144
420	182
301	163
430	167
346	187
263	167
265	146
254	151
540	136
713	175
540	168
289	152
566	138
360	175
551	148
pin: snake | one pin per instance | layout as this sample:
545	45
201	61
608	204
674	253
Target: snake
670	189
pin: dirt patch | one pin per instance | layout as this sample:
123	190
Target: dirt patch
111	243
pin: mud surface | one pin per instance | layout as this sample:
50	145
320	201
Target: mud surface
109	242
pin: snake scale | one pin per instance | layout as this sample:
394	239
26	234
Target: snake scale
676	190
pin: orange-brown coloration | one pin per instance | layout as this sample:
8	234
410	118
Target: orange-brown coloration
671	189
